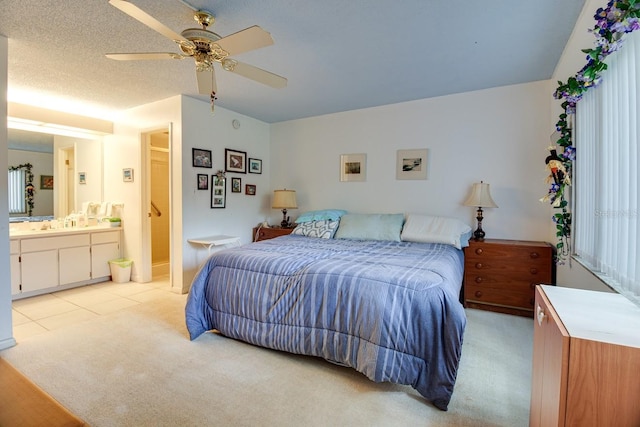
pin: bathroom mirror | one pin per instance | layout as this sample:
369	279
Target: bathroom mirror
67	171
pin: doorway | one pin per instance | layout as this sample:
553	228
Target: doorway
159	202
66	193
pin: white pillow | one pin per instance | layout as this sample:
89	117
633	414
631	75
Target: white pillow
436	229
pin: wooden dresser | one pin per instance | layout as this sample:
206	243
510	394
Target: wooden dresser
586	359
501	275
264	233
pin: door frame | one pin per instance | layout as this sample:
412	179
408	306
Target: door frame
145	211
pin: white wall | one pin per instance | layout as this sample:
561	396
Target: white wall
6	325
193	126
123	150
496	135
215	132
573	59
42	165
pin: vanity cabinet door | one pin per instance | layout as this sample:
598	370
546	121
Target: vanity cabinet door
100	257
14	264
15	274
39	270
75	265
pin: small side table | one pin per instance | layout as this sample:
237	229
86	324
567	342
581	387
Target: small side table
264	233
210	242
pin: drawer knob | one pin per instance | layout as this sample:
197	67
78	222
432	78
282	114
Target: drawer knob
478	294
478	265
478	279
534	271
479	251
534	255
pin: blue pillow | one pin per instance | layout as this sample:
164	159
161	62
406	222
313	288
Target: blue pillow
321	215
370	227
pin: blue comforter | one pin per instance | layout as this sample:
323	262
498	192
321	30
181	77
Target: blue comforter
387	309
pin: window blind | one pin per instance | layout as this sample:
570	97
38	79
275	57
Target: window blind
17	199
607	212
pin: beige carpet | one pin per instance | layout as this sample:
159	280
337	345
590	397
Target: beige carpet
137	367
23	404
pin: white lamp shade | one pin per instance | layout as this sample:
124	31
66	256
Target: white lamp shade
480	196
284	199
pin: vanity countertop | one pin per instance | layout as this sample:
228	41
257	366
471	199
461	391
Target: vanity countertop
27	234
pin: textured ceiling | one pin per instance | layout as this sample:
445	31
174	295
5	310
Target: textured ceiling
337	55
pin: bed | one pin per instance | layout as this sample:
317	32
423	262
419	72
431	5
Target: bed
388	308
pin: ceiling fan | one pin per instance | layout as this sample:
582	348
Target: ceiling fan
206	48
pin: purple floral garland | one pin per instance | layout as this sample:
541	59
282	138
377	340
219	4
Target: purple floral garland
612	22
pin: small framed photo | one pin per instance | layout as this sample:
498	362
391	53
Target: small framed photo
235	161
236	185
203	181
201	158
411	164
82	177
218	192
127	175
46	182
255	166
250	189
353	167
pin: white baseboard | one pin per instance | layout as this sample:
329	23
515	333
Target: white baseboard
7	343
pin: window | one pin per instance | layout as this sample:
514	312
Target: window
607	191
17	199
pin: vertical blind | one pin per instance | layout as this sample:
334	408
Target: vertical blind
606	210
17	197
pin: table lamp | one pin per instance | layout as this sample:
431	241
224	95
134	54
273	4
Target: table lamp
284	199
481	198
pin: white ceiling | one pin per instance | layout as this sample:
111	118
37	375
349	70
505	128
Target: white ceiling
338	55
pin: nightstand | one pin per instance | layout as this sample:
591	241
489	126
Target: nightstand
501	275
264	233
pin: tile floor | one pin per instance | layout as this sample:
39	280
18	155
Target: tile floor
43	313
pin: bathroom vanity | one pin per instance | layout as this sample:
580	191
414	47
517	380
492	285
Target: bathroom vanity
44	261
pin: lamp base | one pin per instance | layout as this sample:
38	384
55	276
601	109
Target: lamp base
285	219
478	235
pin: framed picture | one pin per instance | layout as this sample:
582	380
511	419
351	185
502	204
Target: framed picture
203	181
250	189
46	182
353	167
127	175
201	158
236	185
255	166
218	192
82	177
235	161
411	164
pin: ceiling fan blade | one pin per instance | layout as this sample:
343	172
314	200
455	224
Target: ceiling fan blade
206	82
245	40
143	56
257	74
136	13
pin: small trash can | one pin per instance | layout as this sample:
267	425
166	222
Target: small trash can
120	270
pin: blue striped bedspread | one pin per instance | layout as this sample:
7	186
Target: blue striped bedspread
390	310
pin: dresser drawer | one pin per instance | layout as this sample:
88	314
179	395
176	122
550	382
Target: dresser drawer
500	275
517	295
264	233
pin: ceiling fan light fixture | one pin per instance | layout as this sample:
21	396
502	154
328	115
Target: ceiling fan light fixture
229	64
